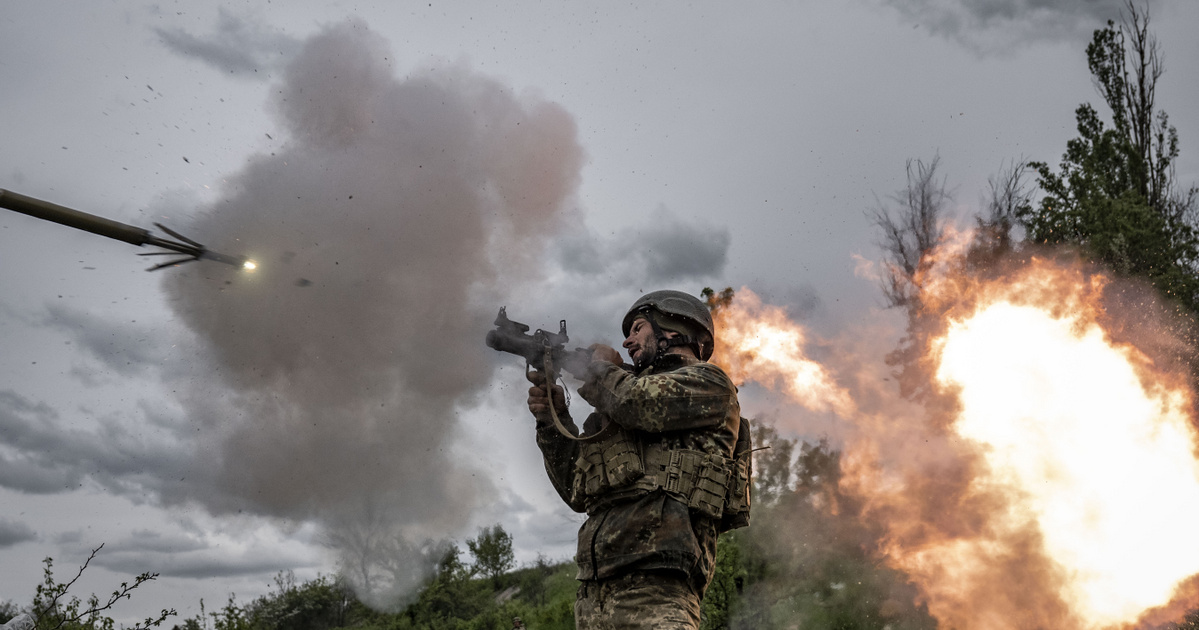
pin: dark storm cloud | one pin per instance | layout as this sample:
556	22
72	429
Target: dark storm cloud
123	347
604	274
148	541
45	456
26	467
237	46
15	532
199	563
662	248
1009	21
188	556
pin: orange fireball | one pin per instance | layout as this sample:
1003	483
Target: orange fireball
1051	480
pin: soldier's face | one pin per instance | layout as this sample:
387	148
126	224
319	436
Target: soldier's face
640	340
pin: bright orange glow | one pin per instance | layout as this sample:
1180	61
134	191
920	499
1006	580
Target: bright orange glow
760	343
1099	462
1047	479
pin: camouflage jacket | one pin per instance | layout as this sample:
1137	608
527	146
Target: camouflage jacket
678	403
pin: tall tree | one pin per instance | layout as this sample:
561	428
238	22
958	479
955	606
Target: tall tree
492	551
1115	193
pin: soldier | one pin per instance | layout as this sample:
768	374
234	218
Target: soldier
659	470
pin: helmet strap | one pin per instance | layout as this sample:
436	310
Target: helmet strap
664	343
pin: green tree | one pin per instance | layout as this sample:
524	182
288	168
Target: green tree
492	551
773	465
1114	194
717	300
728	581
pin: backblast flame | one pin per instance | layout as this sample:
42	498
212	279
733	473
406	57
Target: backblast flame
1095	456
760	343
1051	480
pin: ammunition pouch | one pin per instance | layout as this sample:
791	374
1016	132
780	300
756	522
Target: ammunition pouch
615	468
610	463
736	511
701	480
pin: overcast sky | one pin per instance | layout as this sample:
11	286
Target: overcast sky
215	426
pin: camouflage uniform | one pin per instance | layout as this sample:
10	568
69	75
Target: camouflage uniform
644	556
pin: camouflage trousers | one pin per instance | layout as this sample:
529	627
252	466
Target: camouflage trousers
642	600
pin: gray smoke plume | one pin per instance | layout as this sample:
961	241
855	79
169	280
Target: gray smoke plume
382	231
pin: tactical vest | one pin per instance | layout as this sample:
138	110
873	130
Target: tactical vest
618	467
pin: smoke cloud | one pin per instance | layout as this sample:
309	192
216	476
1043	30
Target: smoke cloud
382	230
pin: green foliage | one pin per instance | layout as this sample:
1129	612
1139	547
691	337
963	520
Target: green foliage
717	300
52	611
492	551
773	464
1114	193
727	582
542	595
314	605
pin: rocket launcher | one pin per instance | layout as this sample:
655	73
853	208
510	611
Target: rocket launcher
177	244
543	350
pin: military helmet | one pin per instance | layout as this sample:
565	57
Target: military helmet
675	304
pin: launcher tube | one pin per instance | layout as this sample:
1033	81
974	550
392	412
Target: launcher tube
73	218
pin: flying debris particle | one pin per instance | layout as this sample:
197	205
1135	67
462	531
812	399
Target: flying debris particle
186	160
149	88
303	282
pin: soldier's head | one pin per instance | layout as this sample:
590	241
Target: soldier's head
665	322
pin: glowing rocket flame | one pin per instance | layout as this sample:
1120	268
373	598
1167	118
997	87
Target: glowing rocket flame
249	265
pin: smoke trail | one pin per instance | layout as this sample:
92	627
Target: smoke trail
381	230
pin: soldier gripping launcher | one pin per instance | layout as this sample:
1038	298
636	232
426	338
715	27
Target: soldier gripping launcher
189	249
544	351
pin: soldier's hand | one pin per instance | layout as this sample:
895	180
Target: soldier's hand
601	352
539	401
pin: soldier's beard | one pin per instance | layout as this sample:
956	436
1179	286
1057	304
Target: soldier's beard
648	355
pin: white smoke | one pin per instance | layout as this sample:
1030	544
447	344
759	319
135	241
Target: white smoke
381	230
